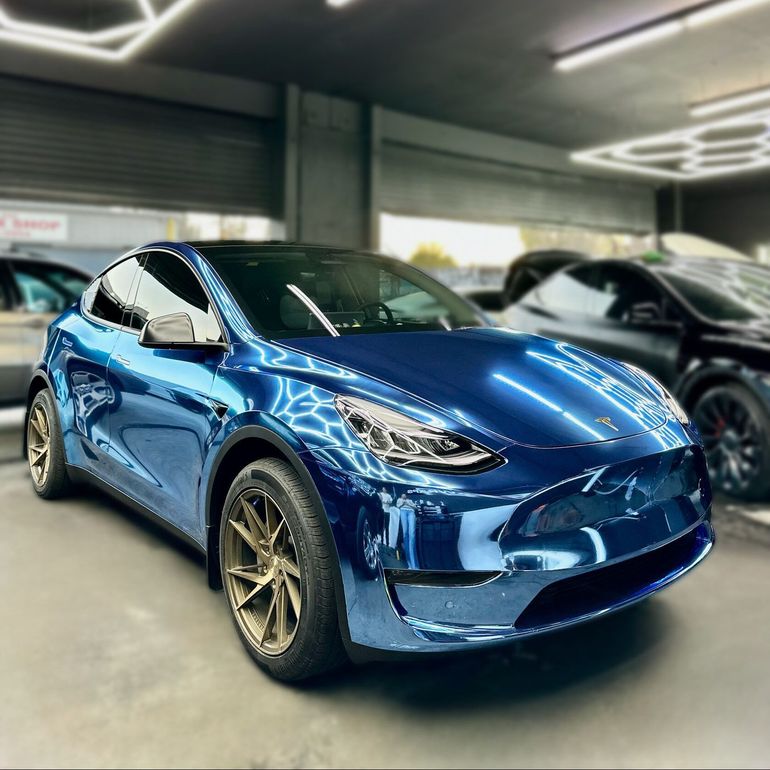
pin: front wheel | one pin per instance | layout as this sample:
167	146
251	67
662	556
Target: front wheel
277	572
732	422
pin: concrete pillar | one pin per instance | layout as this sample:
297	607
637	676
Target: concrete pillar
330	170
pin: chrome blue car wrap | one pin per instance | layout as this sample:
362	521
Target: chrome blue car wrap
600	495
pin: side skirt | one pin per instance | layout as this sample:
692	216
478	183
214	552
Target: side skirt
83	476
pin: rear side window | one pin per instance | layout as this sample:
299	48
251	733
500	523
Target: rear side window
108	296
168	285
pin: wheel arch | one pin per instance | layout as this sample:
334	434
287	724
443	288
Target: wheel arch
243	446
712	374
38	382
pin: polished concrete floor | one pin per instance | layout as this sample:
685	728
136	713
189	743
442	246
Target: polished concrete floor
113	652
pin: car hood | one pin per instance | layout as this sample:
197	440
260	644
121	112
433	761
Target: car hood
519	387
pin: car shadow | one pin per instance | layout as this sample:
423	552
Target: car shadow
521	672
152	530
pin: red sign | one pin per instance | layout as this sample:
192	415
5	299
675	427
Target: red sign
32	226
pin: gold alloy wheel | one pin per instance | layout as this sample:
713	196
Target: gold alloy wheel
39	444
262	572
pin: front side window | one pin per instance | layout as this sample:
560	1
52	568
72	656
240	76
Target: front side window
168	285
108	296
46	288
305	292
568	291
617	290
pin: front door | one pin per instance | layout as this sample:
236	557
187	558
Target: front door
161	424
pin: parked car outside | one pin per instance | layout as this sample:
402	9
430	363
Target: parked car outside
365	475
701	326
33	291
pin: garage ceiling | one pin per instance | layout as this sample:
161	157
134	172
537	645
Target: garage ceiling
483	63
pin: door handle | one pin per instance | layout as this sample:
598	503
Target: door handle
123	361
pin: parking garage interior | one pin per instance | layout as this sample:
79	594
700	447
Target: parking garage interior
455	136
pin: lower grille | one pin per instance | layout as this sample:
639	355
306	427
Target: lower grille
608	587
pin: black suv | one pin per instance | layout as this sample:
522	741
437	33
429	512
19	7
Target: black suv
701	326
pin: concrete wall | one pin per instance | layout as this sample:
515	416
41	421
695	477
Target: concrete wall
735	214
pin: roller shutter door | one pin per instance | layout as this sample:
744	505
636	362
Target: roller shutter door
65	144
419	182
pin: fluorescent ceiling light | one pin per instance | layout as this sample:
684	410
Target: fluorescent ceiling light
617	45
113	43
664	27
717	11
729	146
338	3
726	103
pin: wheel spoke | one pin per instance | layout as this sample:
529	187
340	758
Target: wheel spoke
276	533
294	595
269	618
271	515
255	523
245	534
291	568
42	454
261	585
281	613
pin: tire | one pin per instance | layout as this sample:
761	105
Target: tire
307	642
733	423
48	467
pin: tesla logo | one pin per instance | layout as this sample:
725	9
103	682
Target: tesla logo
607	421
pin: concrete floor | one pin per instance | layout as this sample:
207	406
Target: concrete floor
113	652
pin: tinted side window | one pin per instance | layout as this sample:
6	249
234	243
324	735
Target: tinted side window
617	289
567	291
167	285
107	297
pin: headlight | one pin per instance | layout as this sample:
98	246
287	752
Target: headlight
673	405
400	440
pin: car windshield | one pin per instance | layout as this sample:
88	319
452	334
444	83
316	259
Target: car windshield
296	292
723	291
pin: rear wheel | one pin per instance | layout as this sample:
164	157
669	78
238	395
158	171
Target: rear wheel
277	571
732	422
45	448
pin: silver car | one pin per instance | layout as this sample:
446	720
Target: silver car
33	292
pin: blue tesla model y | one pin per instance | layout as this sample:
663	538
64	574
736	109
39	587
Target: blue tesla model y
369	466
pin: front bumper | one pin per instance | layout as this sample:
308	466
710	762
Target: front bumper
553	537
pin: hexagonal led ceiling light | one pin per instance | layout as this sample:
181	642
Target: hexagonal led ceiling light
141	20
736	145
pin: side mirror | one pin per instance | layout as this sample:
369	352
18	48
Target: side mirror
172	331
